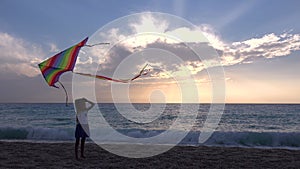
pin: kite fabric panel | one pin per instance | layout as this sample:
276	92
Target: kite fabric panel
62	62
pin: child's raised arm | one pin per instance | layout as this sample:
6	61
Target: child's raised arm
91	104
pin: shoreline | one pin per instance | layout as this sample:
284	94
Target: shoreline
61	155
178	145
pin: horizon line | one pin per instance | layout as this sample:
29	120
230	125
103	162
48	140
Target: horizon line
146	103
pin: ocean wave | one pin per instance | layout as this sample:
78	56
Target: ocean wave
236	139
255	139
218	138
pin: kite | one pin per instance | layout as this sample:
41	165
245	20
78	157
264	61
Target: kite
65	61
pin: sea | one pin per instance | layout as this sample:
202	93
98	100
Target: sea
241	125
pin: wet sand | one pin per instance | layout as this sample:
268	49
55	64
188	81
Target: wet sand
61	155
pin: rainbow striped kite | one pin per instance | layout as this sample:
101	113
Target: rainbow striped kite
64	61
60	63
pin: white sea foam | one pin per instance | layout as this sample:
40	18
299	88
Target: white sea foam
235	139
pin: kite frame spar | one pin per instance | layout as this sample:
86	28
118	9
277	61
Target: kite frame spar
53	67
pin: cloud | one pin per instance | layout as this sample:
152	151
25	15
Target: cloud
18	56
169	40
53	48
148	23
268	46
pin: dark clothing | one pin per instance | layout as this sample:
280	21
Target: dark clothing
79	132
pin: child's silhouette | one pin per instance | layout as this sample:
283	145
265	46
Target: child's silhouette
82	128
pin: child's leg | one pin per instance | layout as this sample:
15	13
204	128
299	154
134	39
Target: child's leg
82	146
76	147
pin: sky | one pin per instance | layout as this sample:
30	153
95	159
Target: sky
257	43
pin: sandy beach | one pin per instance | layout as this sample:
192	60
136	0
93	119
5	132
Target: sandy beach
61	155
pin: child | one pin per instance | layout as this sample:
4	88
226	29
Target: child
82	127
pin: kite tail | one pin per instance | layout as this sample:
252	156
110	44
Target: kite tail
103	43
103	77
65	92
142	72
